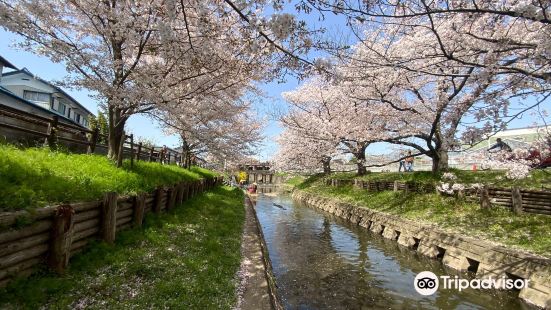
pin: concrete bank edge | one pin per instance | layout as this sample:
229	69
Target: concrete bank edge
270	278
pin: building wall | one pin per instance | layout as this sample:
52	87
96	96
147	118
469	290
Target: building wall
30	139
18	83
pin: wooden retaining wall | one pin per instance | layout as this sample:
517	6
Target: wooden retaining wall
529	201
59	232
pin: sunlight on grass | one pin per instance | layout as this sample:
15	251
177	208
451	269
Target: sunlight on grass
35	177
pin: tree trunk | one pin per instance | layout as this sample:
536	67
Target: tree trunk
361	168
360	160
116	129
440	160
326	165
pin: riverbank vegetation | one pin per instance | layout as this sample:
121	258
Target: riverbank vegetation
526	232
186	259
34	177
537	179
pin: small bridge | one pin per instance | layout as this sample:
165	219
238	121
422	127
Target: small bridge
259	173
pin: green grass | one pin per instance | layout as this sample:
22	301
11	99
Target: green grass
295	180
528	232
538	179
186	259
35	177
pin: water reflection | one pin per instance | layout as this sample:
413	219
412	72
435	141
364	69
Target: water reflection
323	262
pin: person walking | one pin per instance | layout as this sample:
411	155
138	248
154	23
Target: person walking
402	163
409	162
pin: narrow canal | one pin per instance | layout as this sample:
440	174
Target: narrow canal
323	262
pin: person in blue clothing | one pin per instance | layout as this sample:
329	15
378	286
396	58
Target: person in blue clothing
402	163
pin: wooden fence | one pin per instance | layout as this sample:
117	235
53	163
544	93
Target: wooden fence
53	131
516	199
57	233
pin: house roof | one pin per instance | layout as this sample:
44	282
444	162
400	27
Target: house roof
24	101
27	72
6	63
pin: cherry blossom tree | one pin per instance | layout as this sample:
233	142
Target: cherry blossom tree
299	153
442	103
137	55
510	35
217	124
322	110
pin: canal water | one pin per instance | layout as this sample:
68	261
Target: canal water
323	262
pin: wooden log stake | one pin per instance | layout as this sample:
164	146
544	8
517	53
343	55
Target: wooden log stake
61	238
171	198
51	139
187	191
395	188
139	152
132	150
158	203
109	217
93	141
181	193
485	198
516	198
139	209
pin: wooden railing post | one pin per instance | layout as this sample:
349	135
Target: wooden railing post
139	209
51	139
93	141
121	150
157	204
61	238
516	198
395	188
109	217
139	151
132	150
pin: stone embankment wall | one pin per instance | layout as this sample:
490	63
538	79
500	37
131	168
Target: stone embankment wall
456	251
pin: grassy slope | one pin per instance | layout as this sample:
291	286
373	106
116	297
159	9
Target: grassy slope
537	179
186	259
35	177
528	232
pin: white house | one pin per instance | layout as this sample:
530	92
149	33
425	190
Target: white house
22	90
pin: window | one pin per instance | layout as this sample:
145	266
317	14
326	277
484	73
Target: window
61	107
36	96
77	118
